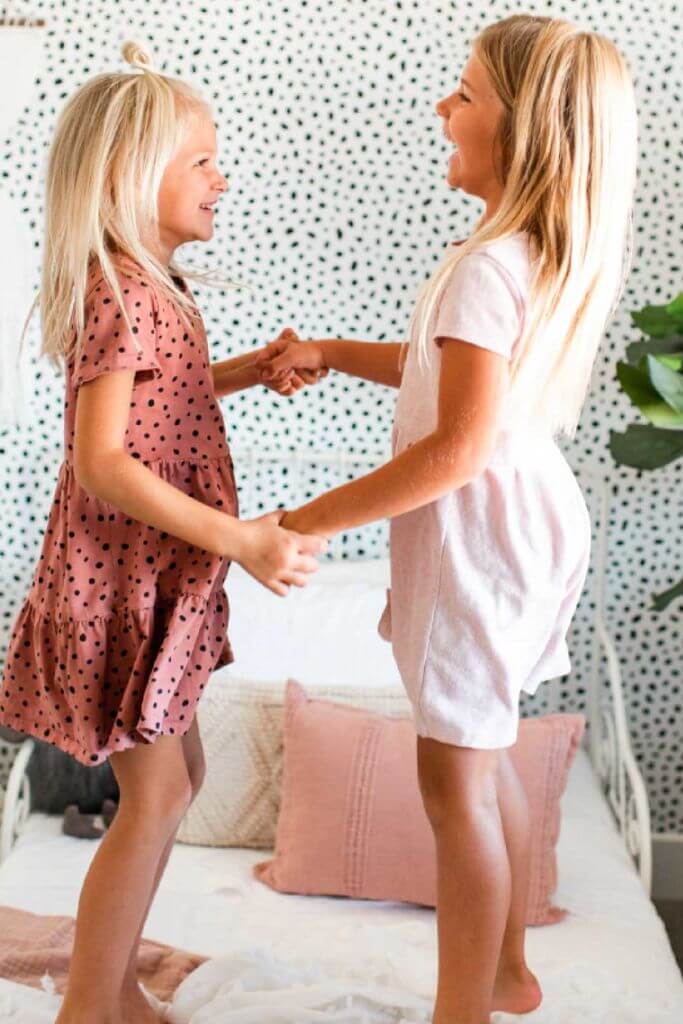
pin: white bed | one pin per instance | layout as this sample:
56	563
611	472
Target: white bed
282	959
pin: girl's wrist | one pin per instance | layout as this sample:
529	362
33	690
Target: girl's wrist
312	517
233	537
326	349
252	375
228	380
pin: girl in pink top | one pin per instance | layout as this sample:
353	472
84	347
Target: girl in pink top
490	535
126	616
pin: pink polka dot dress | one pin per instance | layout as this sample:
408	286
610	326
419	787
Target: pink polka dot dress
124	623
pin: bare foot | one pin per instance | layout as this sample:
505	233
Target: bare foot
136	1008
81	1016
516	990
555	914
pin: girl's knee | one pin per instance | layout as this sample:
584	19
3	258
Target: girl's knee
164	805
154	785
505	766
457	783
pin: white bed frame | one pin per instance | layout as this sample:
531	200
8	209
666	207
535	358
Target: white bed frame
609	740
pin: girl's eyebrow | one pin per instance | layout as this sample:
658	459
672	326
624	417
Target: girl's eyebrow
465	82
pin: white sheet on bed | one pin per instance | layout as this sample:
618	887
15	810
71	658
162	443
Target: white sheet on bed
279	959
308	633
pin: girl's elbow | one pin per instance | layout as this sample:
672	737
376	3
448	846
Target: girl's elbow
96	473
86	477
464	460
80	463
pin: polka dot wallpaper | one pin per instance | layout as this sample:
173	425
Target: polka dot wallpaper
337	210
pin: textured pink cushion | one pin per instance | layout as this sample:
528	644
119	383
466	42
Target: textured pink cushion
352	822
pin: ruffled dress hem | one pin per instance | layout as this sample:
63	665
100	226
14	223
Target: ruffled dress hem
149	686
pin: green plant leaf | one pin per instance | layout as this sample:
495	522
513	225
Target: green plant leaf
643	446
674	360
675	308
660	601
652	378
636	383
656	321
666	382
654	346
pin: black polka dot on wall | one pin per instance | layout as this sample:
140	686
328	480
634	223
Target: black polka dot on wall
337	209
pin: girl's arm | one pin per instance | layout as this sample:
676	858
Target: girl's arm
101	466
380	362
231	375
472	384
242	372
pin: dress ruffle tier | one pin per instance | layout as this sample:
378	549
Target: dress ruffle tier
118	679
92	684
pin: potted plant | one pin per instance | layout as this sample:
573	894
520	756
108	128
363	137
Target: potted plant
652	377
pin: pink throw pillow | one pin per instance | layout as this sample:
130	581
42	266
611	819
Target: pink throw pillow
352	822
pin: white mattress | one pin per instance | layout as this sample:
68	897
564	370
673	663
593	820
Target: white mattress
279	959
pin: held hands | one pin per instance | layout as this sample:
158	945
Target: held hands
278	549
278	557
287	364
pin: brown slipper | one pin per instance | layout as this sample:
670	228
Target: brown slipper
82	826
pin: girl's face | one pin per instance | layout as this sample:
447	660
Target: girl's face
470	119
190	187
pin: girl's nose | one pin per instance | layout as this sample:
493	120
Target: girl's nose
442	108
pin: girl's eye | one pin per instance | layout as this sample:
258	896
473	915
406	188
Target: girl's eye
462	96
204	161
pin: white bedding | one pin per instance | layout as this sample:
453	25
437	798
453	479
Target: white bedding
278	959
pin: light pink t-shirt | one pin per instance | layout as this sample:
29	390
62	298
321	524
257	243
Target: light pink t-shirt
485	579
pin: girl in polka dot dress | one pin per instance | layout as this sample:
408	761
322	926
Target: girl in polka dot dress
490	535
126	616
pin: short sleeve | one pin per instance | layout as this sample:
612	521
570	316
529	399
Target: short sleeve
480	305
108	344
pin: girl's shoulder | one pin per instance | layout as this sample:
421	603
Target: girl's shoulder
138	288
131	277
513	253
511	257
512	249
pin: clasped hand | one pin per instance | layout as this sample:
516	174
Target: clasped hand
287	364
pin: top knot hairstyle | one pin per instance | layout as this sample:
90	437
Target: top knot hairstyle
567	140
136	56
113	140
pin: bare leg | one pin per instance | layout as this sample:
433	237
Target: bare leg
473	876
154	793
136	1007
134	1003
516	988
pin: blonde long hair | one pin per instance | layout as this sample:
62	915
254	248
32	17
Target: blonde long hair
112	142
568	145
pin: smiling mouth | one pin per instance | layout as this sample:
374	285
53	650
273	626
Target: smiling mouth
456	148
